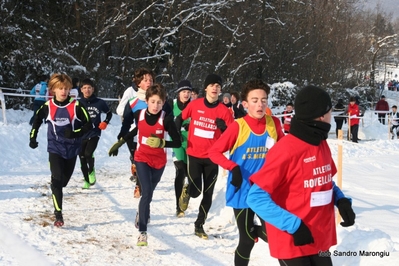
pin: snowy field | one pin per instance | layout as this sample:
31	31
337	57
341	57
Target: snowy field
99	222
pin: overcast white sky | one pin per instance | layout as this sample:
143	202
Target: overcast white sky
388	6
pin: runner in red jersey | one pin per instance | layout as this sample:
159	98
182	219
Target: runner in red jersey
150	157
208	119
294	192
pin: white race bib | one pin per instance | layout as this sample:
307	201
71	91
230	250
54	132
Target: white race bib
206	134
320	198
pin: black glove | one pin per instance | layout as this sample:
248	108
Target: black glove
179	122
236	179
33	143
220	124
346	212
120	135
186	126
302	236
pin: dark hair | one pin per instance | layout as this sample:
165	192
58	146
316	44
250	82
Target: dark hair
255	84
156	89
44	77
139	75
195	90
290	104
236	95
75	83
86	81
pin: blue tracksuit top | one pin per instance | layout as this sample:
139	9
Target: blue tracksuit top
94	107
40	90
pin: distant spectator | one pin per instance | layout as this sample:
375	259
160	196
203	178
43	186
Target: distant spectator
226	99
75	91
354	111
194	93
286	119
227	102
40	92
382	105
339	107
238	108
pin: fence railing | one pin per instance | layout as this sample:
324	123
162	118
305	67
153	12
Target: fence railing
22	94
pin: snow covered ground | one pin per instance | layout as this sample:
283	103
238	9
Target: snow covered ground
99	222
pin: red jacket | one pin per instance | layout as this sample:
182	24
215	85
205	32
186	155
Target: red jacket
203	131
382	105
353	110
298	176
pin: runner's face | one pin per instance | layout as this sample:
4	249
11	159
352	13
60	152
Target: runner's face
184	95
154	104
61	93
226	100
146	82
212	92
233	99
194	96
256	103
87	91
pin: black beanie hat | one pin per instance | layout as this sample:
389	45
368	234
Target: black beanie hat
311	102
184	85
212	79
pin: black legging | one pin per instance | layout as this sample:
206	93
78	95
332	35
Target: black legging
247	234
381	118
61	172
354	131
181	173
338	122
86	156
202	170
312	260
